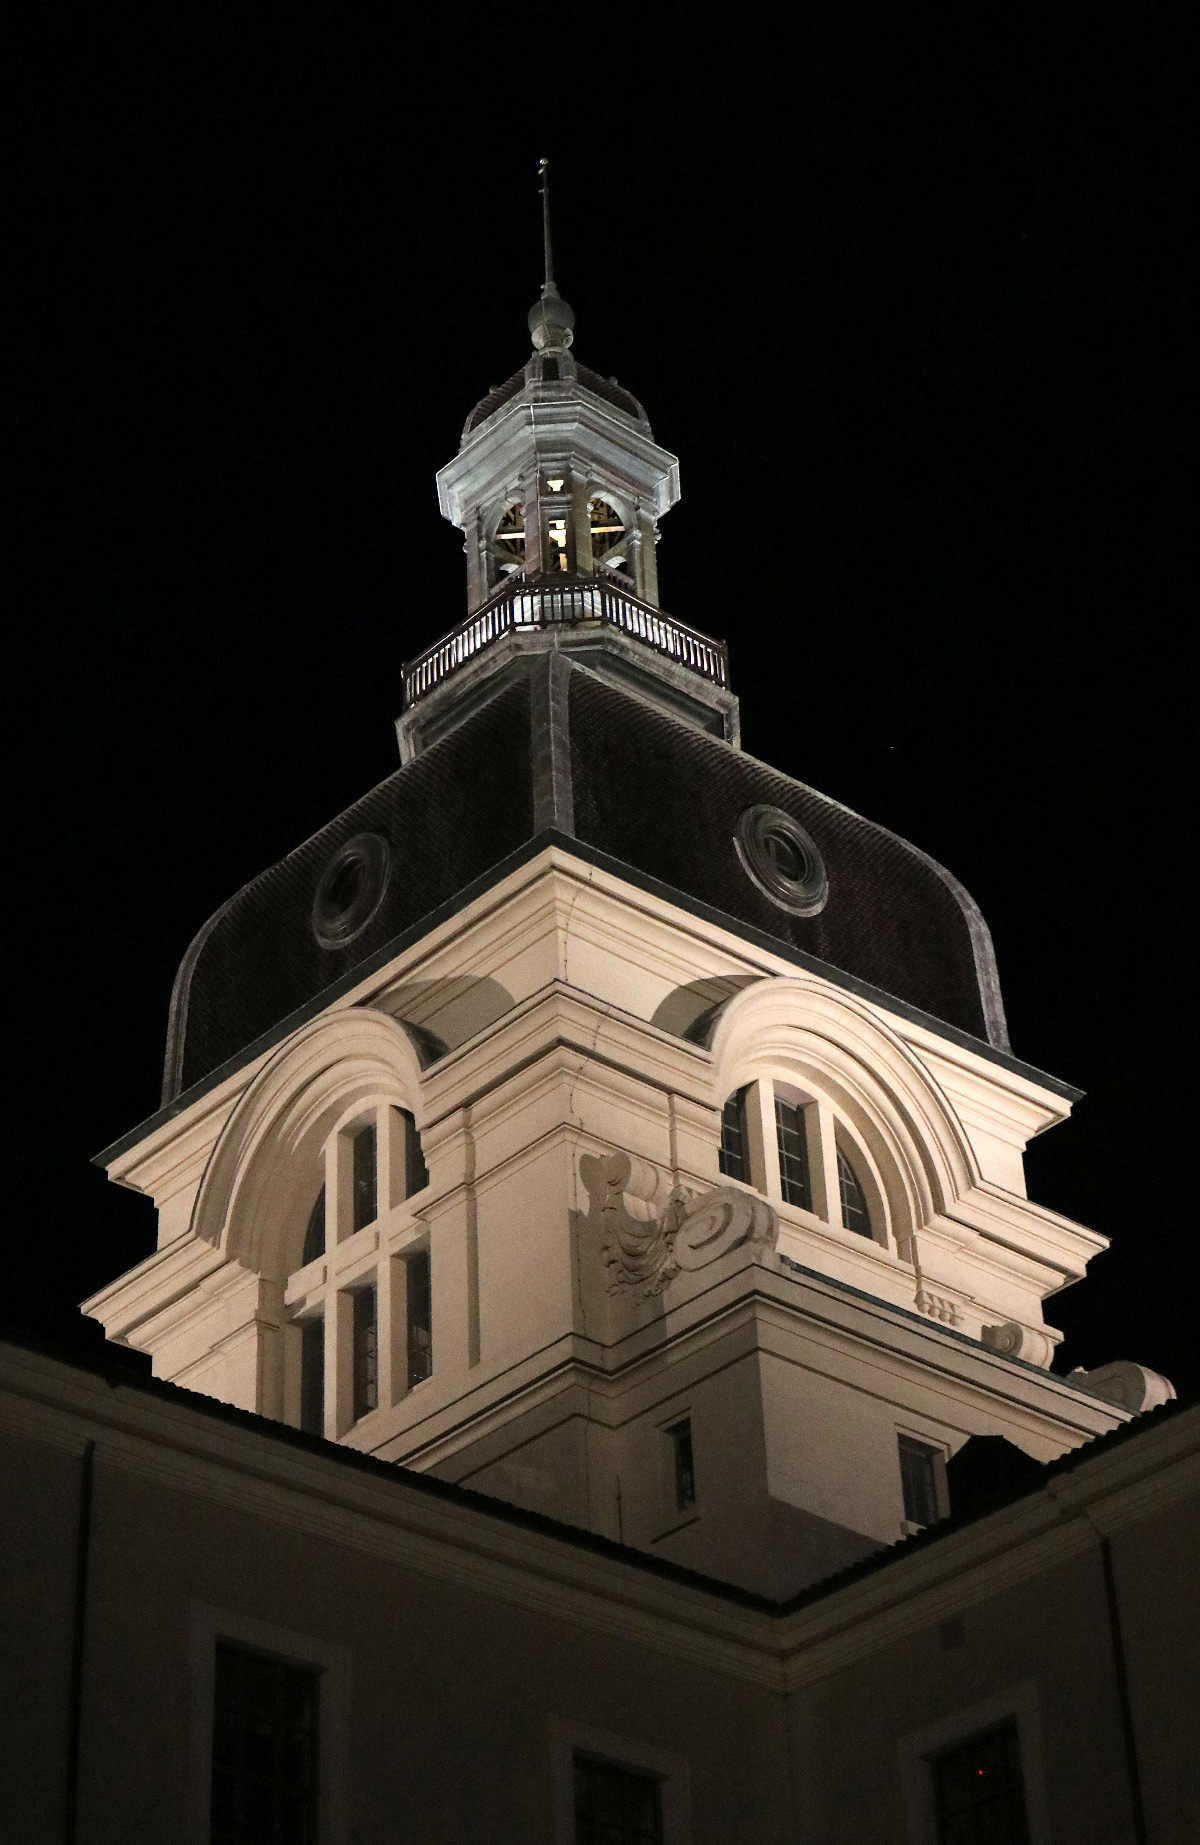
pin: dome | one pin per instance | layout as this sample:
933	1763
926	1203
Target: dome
555	368
894	925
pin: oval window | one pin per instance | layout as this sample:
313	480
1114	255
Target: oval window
780	858
351	889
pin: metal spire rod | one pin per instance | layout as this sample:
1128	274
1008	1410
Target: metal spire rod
548	287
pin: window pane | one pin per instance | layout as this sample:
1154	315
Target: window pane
733	1159
365	1206
416	1176
919	1481
314	1236
793	1154
855	1215
979	1791
312	1375
420	1318
616	1806
685	1467
366	1353
264	1783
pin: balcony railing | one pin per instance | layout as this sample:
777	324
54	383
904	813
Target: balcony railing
549	601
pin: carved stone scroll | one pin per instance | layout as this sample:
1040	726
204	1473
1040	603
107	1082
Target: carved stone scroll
649	1233
1017	1341
1133	1387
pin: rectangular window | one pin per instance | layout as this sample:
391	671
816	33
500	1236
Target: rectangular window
366	1205
685	1467
793	1153
366	1353
416	1176
264	1766
312	1375
420	1317
734	1156
979	1791
918	1478
616	1806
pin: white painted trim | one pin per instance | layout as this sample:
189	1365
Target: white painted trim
669	1768
916	1751
208	1626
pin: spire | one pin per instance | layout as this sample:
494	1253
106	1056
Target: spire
551	320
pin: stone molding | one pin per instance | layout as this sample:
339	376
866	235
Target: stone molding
250	1470
1014	1340
1134	1387
643	1247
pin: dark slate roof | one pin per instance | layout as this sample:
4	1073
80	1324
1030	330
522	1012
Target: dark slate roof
448	817
649	792
611	393
666	798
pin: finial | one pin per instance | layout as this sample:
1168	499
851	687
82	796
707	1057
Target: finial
551	320
548	287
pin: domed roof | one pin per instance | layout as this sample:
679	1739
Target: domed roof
556	368
894	925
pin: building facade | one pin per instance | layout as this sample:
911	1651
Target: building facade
598	1119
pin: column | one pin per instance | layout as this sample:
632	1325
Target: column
535	534
580	526
647	580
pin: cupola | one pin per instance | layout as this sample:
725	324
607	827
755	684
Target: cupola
558	487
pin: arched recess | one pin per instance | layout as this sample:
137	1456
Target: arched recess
265	1169
798	1029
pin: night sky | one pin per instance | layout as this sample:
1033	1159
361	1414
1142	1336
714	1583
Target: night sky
906	295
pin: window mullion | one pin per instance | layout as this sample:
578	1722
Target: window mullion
822	1161
390	1306
390	1139
339	1192
330	1310
339	1363
760	1130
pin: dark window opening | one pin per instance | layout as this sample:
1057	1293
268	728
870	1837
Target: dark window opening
264	1761
314	1236
416	1175
918	1477
312	1376
685	1466
366	1208
616	1806
855	1215
419	1293
793	1154
366	1353
734	1156
979	1791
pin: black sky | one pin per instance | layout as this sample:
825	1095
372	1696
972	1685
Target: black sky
905	291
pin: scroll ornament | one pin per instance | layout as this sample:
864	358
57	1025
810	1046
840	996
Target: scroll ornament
1017	1341
650	1231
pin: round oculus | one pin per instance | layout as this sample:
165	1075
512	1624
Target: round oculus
351	889
780	858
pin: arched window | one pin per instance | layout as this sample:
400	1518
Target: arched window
788	1145
370	1284
855	1215
735	1152
792	1146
